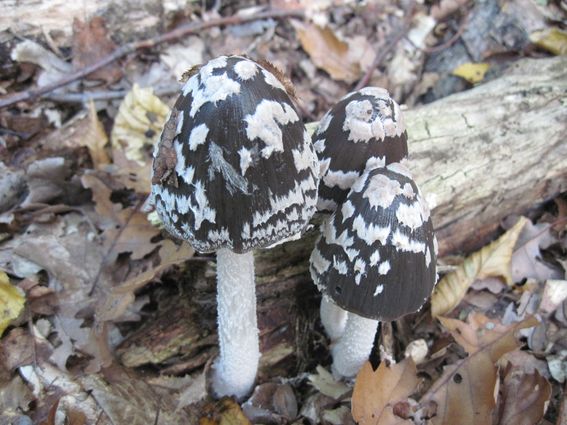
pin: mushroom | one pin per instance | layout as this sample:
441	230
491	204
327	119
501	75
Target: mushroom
364	129
375	258
234	170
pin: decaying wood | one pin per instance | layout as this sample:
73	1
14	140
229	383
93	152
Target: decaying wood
479	155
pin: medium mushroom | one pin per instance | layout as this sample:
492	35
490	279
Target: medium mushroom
375	258
364	129
234	170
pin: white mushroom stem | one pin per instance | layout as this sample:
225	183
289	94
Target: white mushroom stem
333	318
235	368
353	348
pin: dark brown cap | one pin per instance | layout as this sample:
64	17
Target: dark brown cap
235	167
365	129
376	256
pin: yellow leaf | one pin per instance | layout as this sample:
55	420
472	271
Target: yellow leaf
139	122
223	412
491	261
472	72
327	51
553	40
11	302
376	392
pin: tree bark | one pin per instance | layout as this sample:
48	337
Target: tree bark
479	155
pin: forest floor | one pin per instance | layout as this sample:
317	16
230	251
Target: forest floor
92	293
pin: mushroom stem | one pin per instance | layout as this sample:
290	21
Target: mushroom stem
353	347
333	318
235	368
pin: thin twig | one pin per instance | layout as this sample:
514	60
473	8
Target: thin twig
384	51
452	40
104	95
183	30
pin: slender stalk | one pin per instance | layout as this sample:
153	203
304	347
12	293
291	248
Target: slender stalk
235	369
333	318
353	347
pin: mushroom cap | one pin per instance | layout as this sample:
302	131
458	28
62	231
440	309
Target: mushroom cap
235	167
376	256
364	130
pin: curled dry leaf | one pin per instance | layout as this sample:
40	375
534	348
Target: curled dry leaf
524	397
377	392
491	261
465	393
139	122
12	302
327	51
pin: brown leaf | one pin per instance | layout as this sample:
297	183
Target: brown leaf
376	392
526	260
524	397
465	392
91	43
327	51
223	412
491	261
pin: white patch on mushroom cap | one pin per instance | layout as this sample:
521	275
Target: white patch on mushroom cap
435	245
318	262
180	159
408	191
410	215
358	114
302	160
360	266
180	120
330	235
427	257
341	179
375	162
272	80
347	210
381	191
324	166
245	69
374	258
340	266
198	136
183	204
246	231
379	289
295	197
400	168
324	204
265	124
377	92
207	70
319	145
245	159
202	211
370	233
219	235
324	123
220	165
384	267
215	88
403	243
191	85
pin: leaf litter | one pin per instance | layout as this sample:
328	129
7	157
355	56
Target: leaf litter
86	272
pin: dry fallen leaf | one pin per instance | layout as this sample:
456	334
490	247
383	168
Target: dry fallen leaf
91	43
376	392
472	72
12	302
524	397
491	261
223	412
526	260
139	122
327	51
465	393
324	382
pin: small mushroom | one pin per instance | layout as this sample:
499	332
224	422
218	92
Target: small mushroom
375	259
235	170
364	129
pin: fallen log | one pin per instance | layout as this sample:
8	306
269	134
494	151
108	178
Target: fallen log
479	155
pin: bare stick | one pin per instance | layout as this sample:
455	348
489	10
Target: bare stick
190	28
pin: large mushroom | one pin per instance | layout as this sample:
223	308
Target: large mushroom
364	129
375	258
234	170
